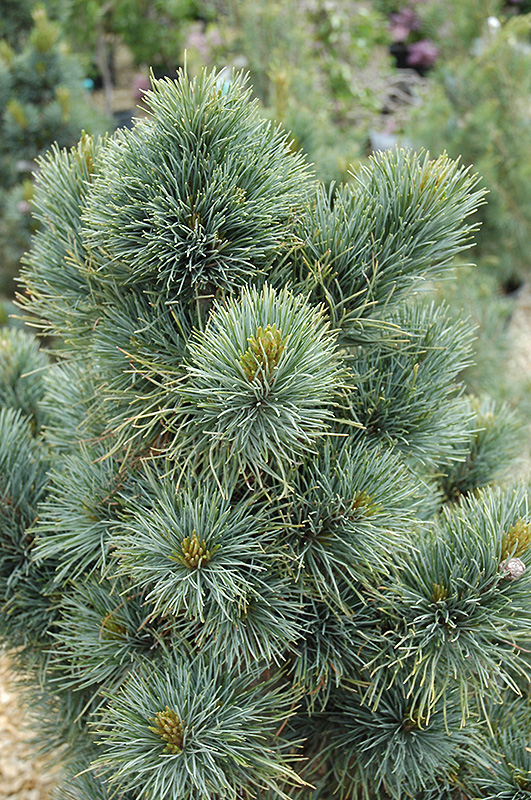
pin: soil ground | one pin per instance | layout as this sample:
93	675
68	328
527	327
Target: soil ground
22	775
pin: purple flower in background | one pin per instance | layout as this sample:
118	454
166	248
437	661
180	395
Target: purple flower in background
197	40
422	54
214	37
141	85
402	23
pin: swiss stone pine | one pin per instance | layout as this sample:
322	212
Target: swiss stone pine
254	542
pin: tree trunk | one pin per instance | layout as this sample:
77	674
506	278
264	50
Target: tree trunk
103	61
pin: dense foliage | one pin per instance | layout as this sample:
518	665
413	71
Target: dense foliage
251	545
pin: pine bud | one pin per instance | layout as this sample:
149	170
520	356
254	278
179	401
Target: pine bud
263	355
522	779
7	54
170	729
85	152
45	33
111	629
62	94
516	539
413	720
16	111
361	503
28	190
514	568
195	551
440	593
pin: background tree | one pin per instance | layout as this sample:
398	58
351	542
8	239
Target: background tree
476	107
250	545
153	31
42	100
321	69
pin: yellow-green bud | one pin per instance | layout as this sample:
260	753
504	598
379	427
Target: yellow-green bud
516	539
263	354
170	729
195	551
7	53
45	33
16	111
62	94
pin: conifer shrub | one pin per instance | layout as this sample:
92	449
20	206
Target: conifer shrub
251	545
16	22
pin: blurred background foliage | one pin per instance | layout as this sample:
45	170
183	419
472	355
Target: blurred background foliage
41	101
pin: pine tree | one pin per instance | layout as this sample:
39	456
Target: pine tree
251	541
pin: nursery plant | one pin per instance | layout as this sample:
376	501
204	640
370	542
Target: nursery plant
251	544
152	30
458	26
476	107
42	100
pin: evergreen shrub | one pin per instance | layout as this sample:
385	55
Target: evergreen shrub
251	545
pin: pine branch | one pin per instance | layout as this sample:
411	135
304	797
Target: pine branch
407	395
206	204
495	444
58	294
189	731
460	604
256	406
366	245
22	368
